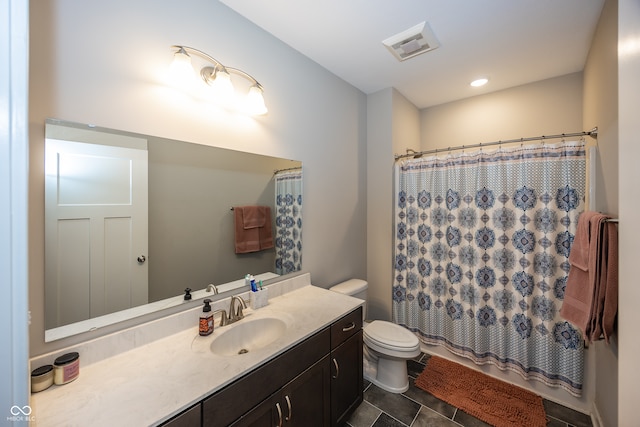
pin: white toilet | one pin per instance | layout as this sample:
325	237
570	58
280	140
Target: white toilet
387	346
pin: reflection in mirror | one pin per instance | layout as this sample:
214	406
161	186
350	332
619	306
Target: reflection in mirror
132	220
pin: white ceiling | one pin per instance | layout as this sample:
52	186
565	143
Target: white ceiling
512	42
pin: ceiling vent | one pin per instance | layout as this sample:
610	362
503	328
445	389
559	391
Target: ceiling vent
412	42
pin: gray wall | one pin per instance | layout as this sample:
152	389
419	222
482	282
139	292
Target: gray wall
552	106
105	62
393	125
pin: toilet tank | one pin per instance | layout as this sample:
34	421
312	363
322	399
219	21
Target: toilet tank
356	288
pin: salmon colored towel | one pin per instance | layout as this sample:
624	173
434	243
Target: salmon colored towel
252	226
605	307
591	293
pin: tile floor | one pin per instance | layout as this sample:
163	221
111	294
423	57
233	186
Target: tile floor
417	408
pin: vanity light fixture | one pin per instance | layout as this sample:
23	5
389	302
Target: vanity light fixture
479	82
217	77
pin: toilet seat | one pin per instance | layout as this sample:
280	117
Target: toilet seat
382	335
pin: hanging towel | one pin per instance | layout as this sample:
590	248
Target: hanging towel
592	282
606	303
265	236
252	216
252	226
578	294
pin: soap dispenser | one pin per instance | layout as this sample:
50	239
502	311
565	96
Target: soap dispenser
206	319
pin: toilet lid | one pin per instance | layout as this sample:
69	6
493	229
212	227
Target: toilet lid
350	287
391	336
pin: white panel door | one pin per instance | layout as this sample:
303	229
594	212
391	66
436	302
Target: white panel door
95	230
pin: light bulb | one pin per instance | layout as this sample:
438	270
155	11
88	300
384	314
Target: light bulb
181	71
479	82
221	86
255	101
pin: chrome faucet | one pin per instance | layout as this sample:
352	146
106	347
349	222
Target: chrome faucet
235	309
224	319
213	288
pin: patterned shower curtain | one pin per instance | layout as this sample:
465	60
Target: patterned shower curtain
288	242
482	242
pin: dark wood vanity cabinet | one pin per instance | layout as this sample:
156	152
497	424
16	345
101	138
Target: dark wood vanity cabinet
318	382
327	393
304	402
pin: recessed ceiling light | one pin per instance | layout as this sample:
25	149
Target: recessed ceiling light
479	82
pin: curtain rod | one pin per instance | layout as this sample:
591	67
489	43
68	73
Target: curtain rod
287	169
592	133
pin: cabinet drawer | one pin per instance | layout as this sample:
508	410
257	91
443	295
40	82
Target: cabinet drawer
346	327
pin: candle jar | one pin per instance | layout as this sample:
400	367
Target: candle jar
66	368
41	378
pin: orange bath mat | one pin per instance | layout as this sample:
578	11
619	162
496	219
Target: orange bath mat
493	401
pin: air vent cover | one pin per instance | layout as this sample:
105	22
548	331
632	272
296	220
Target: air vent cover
414	41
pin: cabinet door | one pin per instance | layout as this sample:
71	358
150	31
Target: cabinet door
346	379
306	401
263	415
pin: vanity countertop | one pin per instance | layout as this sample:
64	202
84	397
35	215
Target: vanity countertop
153	382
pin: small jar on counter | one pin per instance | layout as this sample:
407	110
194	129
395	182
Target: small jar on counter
66	368
41	378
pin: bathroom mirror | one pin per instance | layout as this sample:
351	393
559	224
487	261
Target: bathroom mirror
132	220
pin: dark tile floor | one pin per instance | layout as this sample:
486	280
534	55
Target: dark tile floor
417	408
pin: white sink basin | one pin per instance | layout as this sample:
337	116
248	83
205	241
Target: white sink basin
248	335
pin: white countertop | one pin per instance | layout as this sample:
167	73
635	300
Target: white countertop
156	381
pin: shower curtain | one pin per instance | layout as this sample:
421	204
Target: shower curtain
482	242
288	244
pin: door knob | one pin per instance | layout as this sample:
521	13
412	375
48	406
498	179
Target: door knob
142	259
